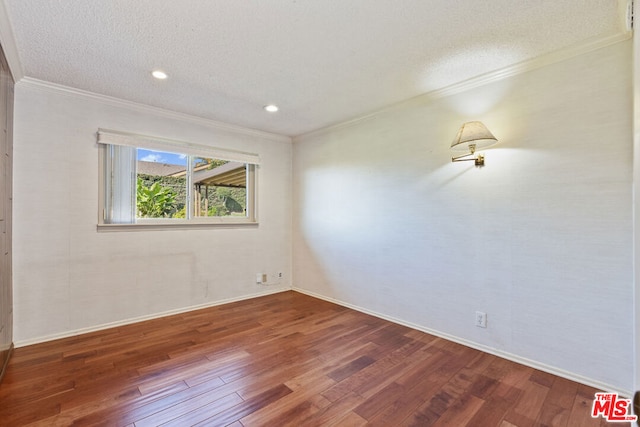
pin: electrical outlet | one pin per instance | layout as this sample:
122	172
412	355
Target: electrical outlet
481	319
268	279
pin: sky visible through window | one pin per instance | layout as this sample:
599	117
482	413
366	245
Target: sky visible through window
162	157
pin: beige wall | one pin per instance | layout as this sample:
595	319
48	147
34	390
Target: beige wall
540	238
69	278
636	197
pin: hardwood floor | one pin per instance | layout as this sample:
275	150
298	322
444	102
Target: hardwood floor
284	359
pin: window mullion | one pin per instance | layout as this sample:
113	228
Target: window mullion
189	180
134	185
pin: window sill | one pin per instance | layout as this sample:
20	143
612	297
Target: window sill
183	225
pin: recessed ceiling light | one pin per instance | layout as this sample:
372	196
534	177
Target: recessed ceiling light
271	108
160	75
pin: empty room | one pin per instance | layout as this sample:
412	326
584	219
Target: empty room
319	213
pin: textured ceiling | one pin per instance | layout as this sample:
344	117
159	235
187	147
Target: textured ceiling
321	61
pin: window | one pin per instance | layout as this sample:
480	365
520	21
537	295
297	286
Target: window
154	181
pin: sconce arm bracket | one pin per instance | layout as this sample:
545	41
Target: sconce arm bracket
479	160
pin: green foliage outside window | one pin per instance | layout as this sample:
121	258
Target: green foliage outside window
165	196
154	201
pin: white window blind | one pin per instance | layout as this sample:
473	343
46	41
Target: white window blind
120	184
112	137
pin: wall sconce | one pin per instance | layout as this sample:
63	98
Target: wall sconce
472	136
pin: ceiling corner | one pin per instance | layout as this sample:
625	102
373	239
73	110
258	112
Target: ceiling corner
8	43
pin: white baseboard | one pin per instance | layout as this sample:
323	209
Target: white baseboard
103	326
496	352
505	355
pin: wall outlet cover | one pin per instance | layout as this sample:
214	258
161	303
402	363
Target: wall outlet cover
481	319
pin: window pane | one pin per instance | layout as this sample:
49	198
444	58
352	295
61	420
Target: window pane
161	190
219	188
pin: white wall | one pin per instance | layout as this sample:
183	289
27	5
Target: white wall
540	238
68	276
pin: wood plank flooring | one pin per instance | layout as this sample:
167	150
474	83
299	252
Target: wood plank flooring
280	360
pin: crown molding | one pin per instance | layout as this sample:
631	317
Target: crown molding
586	46
8	43
522	67
31	83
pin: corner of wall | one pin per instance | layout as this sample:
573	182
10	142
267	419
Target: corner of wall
636	205
8	42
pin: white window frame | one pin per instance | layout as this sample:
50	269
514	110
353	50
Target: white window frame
110	138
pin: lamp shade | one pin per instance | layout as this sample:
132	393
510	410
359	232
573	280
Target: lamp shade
473	133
